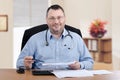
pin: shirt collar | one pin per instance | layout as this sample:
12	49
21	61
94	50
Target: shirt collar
49	35
65	32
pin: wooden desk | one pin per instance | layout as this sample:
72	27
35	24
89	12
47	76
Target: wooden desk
10	74
102	46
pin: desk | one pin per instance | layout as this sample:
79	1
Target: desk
10	74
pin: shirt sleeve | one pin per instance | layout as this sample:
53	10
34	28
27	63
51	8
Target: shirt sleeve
86	60
28	50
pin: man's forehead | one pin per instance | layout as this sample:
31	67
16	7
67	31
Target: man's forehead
53	12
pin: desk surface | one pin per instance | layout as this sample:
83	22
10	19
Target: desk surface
91	38
10	74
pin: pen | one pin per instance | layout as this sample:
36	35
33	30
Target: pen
37	60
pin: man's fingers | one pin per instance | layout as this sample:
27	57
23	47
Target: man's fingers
28	58
75	65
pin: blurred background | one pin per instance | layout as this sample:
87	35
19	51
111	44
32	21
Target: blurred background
23	14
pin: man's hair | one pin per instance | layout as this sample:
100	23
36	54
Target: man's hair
54	7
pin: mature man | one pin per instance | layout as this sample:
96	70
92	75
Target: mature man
55	45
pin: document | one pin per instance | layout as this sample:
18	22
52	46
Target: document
78	73
71	73
57	64
100	72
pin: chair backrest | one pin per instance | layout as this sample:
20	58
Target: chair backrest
29	32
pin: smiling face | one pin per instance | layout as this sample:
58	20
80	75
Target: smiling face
56	21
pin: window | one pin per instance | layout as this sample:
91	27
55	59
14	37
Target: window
29	12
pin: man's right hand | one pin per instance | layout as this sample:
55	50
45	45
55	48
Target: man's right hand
28	60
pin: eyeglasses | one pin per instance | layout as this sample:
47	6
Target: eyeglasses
58	18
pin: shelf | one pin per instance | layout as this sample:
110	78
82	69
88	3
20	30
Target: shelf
102	47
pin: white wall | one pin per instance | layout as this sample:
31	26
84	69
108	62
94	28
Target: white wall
80	13
60	2
6	53
116	34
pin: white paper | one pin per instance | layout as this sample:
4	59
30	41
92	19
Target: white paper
100	72
57	64
71	73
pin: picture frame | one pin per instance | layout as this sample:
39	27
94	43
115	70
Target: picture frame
3	23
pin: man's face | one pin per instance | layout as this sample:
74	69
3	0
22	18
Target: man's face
56	21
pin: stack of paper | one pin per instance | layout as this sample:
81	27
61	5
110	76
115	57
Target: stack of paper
100	72
71	73
78	73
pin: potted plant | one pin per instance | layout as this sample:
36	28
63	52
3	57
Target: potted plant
97	28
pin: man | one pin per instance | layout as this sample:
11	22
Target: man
33	30
55	45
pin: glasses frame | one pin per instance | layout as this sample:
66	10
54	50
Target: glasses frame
59	18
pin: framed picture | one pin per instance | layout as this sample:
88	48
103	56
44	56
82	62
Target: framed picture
3	23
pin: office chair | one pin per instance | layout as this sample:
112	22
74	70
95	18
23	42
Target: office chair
31	31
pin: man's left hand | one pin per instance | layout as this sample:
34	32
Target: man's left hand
75	66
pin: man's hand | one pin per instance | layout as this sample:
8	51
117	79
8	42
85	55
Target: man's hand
28	60
75	65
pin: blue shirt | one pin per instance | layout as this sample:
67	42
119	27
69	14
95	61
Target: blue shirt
65	49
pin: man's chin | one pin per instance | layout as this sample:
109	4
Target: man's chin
56	31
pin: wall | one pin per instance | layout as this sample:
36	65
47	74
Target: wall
116	33
6	47
80	13
60	2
